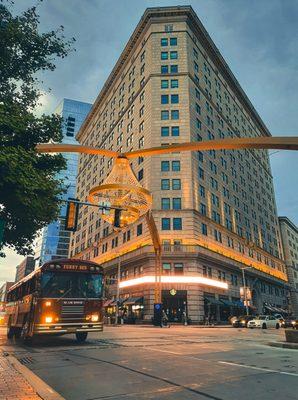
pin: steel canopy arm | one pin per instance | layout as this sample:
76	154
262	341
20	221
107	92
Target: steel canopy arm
283	143
74	148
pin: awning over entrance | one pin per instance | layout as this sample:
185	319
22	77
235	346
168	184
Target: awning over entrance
120	302
107	303
227	303
238	304
213	301
133	300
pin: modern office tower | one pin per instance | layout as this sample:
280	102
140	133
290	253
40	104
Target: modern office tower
215	210
289	238
24	268
54	240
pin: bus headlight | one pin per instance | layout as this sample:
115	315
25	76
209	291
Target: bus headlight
94	317
48	319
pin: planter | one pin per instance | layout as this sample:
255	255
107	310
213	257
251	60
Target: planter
291	335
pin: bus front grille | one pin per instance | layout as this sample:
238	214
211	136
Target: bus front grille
72	310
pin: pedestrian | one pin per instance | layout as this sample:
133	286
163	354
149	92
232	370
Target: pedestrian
164	320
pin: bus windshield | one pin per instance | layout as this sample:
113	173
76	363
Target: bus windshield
71	285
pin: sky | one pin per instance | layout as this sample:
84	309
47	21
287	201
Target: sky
258	39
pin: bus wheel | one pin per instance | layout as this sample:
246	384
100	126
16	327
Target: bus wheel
24	334
81	336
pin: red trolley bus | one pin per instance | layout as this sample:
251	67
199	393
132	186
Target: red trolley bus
62	296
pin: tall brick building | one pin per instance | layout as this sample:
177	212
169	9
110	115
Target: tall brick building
215	211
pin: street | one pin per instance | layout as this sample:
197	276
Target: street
138	362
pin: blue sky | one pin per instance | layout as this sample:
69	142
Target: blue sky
258	39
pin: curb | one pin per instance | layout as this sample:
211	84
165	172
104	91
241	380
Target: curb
284	345
41	388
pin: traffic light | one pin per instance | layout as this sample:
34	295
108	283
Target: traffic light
72	212
117	218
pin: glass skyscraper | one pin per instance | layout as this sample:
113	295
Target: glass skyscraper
54	240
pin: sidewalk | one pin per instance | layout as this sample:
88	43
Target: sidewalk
13	386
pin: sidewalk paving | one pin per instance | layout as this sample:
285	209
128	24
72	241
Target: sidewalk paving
13	386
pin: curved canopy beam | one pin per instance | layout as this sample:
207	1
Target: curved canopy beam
283	143
74	148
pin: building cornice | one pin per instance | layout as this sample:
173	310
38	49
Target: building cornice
287	221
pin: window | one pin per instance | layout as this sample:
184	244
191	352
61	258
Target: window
176	203
174	114
164	115
175	165
164	69
174	83
139	229
165	166
163	42
165	184
165	131
201	173
204	229
140	174
178	268
207	271
173	41
166	268
164	55
174	98
173	55
176	184
174	69
202	191
203	209
175	131
164	99
177	224
164	84
165	204
165	224
217	235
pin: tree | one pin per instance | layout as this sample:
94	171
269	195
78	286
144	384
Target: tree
29	189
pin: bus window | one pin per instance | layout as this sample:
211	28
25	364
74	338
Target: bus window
71	285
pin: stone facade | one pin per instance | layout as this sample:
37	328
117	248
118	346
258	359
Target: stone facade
171	85
289	236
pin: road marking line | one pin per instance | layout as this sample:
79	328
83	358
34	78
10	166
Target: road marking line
228	363
258	368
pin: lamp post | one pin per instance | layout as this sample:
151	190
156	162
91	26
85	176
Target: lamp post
245	288
118	289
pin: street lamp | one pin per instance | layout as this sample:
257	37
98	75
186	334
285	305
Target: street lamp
245	288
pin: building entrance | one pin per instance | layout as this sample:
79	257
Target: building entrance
175	304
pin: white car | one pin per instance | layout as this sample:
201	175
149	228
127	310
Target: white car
264	322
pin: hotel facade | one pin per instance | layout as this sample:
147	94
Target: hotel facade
215	210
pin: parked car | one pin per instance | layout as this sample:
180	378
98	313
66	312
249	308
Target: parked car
264	322
290	322
242	321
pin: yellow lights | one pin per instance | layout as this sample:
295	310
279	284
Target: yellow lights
174	279
48	303
48	319
94	317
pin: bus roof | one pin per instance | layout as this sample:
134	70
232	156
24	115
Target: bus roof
65	261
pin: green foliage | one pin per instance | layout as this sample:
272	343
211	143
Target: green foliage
29	189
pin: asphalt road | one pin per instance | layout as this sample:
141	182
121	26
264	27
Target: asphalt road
130	362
